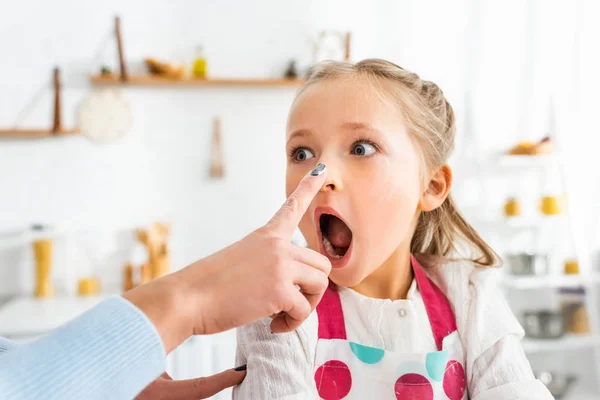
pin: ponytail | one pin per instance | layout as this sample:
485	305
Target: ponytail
439	230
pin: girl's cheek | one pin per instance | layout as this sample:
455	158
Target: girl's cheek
390	199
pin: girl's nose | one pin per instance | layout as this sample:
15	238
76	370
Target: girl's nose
333	183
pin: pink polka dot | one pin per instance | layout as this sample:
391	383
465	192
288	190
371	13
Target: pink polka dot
333	380
413	387
454	380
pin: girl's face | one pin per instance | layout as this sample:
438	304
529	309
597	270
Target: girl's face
367	210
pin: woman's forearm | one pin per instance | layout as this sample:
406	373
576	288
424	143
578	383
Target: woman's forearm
6	345
112	351
169	302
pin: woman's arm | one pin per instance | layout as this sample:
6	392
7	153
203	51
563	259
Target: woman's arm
113	351
6	345
280	366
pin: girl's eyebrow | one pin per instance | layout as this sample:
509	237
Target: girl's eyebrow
355	126
300	133
352	126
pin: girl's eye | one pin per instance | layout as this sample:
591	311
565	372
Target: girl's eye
301	155
363	149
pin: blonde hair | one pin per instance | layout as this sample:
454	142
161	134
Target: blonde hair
430	120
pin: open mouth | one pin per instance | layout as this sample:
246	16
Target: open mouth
336	236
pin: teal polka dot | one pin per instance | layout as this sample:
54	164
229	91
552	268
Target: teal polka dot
368	355
436	364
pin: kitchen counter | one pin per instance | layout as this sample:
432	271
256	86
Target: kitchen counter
27	317
4	300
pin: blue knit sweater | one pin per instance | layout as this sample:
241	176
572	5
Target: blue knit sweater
111	352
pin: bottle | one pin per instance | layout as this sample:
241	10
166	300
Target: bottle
42	250
200	67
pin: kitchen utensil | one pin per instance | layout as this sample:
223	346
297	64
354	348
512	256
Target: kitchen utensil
128	281
544	324
57	125
527	264
557	384
145	273
217	167
155	239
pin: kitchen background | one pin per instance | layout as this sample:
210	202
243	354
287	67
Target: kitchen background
521	75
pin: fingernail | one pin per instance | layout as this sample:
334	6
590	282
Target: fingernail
318	170
240	368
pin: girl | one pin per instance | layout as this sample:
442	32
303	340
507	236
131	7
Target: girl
405	316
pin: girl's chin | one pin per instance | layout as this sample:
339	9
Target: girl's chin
346	277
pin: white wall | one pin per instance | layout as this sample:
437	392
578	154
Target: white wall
160	170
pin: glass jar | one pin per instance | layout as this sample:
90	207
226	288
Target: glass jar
572	306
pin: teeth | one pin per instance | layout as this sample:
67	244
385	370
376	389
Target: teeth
329	249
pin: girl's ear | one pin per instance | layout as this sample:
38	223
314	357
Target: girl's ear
437	189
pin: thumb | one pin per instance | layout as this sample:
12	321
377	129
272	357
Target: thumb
203	388
286	220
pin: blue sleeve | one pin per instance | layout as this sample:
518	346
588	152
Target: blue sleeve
111	352
6	345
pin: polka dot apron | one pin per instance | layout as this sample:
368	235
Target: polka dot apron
348	370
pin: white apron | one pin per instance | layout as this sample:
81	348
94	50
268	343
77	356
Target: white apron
347	370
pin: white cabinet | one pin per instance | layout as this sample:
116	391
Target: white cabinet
203	356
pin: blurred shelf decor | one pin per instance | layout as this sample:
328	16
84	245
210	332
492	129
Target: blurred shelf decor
151	80
55	130
161	73
550	283
565	343
36	133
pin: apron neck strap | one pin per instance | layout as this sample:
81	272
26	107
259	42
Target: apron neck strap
331	315
440	314
439	311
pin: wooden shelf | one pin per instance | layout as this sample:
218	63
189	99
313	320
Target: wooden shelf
149	80
508	164
567	342
550	281
35	133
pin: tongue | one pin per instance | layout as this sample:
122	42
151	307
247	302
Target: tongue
338	233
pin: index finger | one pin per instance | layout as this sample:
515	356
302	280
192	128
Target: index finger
203	388
288	217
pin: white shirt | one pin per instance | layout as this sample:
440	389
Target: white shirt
280	366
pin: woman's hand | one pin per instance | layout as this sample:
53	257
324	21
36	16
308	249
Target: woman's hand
199	388
254	278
